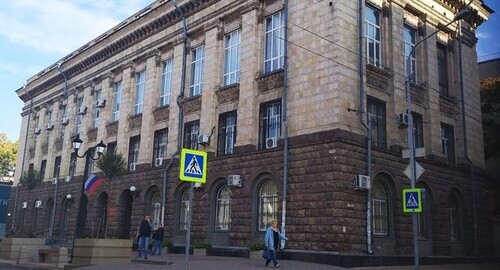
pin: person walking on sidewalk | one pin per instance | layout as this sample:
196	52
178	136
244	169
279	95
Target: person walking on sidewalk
143	235
272	242
157	241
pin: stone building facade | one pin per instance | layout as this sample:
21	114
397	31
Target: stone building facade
294	133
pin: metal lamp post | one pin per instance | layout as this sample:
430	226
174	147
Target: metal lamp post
409	79
88	154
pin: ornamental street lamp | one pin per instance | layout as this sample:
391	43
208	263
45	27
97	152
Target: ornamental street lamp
88	155
410	74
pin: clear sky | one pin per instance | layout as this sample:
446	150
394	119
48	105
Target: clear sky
35	34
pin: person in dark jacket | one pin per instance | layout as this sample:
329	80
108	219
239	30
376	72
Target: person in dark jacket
157	241
143	234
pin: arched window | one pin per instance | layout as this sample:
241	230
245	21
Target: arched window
155	209
184	208
453	210
223	208
380	210
65	213
268	203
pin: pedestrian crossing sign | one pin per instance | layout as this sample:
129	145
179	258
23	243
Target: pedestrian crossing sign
412	200
193	167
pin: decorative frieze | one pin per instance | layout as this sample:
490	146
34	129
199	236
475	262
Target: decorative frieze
447	106
92	134
228	93
161	113
135	121
192	104
418	93
270	81
378	78
112	128
58	144
45	148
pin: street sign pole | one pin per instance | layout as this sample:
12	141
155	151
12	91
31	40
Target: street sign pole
188	231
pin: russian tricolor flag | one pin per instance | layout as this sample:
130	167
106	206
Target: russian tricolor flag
92	183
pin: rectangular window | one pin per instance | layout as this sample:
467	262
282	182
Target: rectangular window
191	132
64	120
271	124
140	87
232	58
43	167
57	167
196	86
48	117
160	145
166	86
275	42
79	117
442	67
117	99
72	164
227	133
376	117
409	37
96	110
447	143
89	163
418	130
373	36
111	148
133	151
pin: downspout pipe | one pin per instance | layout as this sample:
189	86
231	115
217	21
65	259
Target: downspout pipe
362	121
464	130
30	110
285	119
181	112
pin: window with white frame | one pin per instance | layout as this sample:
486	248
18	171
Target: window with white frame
275	42
232	58
268	204
271	123
418	130
89	162
140	87
57	167
72	164
160	144
48	117
166	86
454	218
447	142
191	132
63	111
184	209
223	208
227	133
373	36
376	118
96	110
409	38
196	86
117	100
380	210
155	209
442	67
79	117
133	150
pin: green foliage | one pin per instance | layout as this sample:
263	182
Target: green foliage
31	179
168	244
202	245
111	164
257	246
8	153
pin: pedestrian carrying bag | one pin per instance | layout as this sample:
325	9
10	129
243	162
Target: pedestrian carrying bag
266	254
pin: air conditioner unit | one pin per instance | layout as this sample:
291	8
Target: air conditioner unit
54	180
100	103
37	131
403	119
234	180
131	167
68	178
158	162
361	182
50	126
271	142
38	204
203	140
25	205
82	110
65	121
